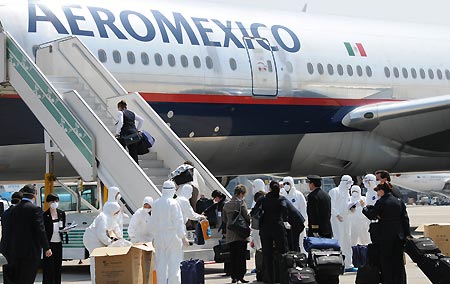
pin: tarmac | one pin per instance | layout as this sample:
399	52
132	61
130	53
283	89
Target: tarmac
79	274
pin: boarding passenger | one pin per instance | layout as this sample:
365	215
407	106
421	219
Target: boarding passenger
54	221
169	234
340	220
391	232
238	245
258	190
198	185
319	214
359	225
183	200
370	182
139	228
295	239
126	126
16	197
27	238
384	176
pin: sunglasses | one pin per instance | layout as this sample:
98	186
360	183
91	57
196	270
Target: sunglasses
286	183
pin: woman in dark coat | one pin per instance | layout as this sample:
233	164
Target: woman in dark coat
54	221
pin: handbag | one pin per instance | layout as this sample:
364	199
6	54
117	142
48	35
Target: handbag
238	225
256	215
131	139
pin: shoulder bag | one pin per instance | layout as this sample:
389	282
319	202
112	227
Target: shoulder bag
238	225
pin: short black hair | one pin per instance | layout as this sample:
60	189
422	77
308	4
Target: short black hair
188	163
275	187
122	104
384	174
217	193
316	182
16	197
52	197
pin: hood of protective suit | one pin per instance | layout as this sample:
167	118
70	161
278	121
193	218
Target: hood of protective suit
258	185
168	188
148	200
186	191
110	208
290	180
355	193
112	194
346	182
370	181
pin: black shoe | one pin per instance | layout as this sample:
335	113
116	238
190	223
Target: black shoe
243	280
234	281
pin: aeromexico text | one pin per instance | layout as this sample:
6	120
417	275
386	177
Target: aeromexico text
143	26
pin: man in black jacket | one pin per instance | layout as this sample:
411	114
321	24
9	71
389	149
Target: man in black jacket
4	249
390	233
27	237
318	209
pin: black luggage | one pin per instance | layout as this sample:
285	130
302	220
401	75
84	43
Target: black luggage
359	255
301	276
259	263
436	268
327	262
184	177
192	271
222	252
368	274
417	248
292	259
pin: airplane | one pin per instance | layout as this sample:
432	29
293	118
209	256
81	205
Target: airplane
252	91
422	182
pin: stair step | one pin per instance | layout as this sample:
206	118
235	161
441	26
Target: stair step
63	79
149	156
156	171
153	163
68	85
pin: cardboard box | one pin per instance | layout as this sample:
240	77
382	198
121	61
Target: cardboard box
440	234
132	264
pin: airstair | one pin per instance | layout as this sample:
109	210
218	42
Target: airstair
75	98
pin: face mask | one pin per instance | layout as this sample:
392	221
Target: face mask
287	187
355	194
54	205
147	210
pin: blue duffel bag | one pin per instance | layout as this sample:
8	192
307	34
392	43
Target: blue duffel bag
310	243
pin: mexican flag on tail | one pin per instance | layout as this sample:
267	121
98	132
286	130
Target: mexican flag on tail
355	49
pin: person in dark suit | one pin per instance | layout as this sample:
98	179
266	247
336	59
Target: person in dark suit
318	209
390	233
16	197
277	211
28	237
54	221
319	225
126	126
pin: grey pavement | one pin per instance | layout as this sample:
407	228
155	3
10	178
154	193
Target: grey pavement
79	274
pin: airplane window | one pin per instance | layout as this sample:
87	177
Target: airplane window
330	69
396	73
184	61
413	73
310	68
359	71
439	74
422	73
130	57
387	72
158	59
144	58
116	56
289	67
405	73
369	71
197	62
430	74
340	70
233	64
269	66
102	55
320	68
447	74
171	60
209	62
349	70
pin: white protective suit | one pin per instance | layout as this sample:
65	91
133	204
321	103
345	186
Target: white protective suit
183	199
339	217
139	228
114	196
258	185
168	232
96	235
370	182
359	224
298	200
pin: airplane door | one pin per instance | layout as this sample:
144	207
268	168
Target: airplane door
262	67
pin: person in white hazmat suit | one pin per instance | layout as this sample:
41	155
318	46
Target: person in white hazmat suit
299	201
339	218
139	228
183	199
370	182
359	224
258	186
114	196
169	235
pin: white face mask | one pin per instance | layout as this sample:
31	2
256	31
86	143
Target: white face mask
54	205
355	194
287	187
147	210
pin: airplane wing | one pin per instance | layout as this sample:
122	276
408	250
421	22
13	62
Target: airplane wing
416	122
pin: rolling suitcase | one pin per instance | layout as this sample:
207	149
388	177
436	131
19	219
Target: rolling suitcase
418	248
435	268
192	271
301	276
259	263
327	262
290	260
